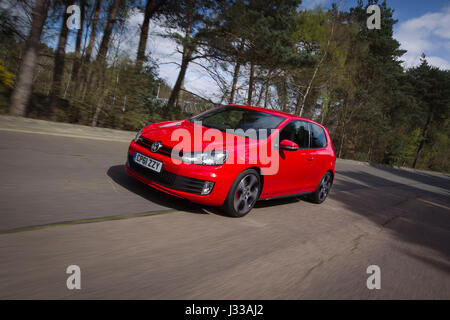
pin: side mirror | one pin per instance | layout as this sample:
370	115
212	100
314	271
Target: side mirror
288	145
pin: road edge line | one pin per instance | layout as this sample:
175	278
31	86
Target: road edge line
64	135
86	221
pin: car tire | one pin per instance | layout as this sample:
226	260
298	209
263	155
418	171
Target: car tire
243	194
323	189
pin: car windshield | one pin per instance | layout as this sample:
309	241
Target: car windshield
244	122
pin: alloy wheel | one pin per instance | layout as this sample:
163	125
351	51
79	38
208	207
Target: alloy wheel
246	194
325	187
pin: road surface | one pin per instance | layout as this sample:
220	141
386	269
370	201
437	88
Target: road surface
65	199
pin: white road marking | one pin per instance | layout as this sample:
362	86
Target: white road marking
113	186
434	204
65	135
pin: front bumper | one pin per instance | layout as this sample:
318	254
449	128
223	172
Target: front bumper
181	180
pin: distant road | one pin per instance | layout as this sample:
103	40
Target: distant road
55	179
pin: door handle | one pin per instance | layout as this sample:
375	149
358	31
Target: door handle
310	159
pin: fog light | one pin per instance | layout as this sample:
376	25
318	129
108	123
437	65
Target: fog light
207	187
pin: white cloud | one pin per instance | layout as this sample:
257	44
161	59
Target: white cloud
311	4
429	34
439	62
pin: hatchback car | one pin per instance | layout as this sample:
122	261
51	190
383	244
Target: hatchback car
231	156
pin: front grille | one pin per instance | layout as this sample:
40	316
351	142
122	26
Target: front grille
168	179
147	144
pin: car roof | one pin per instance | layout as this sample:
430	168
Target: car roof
274	112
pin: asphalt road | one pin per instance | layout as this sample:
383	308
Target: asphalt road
289	249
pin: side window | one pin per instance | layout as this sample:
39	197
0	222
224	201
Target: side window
296	131
318	137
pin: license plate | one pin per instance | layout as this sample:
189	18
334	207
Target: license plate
148	162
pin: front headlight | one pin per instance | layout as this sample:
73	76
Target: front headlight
206	158
138	135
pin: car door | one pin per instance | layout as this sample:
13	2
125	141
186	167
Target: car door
319	153
294	174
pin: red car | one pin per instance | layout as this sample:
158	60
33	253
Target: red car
231	156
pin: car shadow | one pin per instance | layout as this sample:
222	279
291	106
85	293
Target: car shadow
118	174
396	206
430	178
278	202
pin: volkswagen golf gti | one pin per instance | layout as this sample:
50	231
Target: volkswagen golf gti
232	156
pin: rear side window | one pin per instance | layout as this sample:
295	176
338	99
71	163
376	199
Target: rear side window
318	137
296	131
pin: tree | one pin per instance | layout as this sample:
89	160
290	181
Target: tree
93	34
189	18
150	9
23	88
256	34
100	62
77	59
375	91
111	20
432	91
58	70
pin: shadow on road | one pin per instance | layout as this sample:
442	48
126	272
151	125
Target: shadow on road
419	176
277	202
119	175
415	215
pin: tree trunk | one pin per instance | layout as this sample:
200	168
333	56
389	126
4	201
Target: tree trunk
140	57
267	95
58	70
98	67
176	88
180	97
234	84
24	84
93	32
250	83
186	58
149	12
298	103
86	74
308	89
341	145
112	14
260	95
282	93
98	109
237	67
343	120
264	88
424	137
77	60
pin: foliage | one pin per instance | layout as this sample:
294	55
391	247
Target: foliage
6	77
